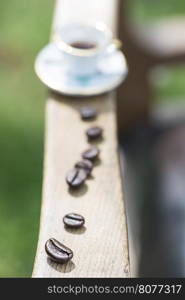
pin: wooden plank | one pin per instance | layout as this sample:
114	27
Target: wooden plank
101	249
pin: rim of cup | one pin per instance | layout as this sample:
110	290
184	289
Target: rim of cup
64	46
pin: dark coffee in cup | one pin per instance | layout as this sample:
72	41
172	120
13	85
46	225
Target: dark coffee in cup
83	45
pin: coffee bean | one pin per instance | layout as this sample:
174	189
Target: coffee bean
91	154
88	113
73	220
57	251
85	165
94	133
76	177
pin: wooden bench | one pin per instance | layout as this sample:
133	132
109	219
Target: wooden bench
101	249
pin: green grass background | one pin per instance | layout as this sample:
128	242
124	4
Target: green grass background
24	30
148	10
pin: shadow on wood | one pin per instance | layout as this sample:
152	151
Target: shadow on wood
66	268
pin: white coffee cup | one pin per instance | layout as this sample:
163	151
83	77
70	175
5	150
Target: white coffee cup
82	46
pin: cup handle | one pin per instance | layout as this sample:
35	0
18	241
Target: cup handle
115	45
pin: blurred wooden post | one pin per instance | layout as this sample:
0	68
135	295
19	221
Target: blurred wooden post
134	95
144	50
101	249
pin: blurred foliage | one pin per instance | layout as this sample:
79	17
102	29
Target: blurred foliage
24	27
168	82
156	9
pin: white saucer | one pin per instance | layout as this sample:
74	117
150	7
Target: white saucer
51	69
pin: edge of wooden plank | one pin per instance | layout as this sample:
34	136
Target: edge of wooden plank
58	110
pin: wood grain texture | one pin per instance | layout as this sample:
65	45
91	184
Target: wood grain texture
100	249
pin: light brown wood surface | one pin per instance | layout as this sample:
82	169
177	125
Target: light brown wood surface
100	249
